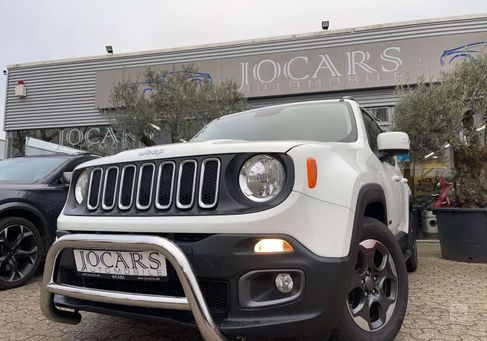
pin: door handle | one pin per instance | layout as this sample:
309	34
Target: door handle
396	178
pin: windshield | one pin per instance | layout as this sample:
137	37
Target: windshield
28	169
323	122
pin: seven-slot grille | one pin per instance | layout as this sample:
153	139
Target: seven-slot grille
160	184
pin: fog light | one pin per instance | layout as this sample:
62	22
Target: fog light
284	283
272	245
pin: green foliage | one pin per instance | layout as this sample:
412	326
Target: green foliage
429	119
132	111
180	103
451	111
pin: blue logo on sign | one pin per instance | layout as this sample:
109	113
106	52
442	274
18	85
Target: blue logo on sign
467	51
193	76
198	77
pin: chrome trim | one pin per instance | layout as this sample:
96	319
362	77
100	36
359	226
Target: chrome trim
178	204
122	179
107	171
141	169
159	206
92	208
194	300
114	297
200	202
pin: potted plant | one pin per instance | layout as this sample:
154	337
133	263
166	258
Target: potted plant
451	112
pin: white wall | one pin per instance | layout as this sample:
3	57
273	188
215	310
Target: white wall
2	149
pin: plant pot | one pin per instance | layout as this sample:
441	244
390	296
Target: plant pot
463	234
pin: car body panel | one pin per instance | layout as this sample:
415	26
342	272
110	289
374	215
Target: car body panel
44	199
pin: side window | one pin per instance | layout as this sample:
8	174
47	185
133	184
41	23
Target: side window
372	129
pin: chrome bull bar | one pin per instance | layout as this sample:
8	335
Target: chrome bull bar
194	300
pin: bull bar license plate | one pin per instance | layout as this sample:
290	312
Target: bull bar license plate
144	265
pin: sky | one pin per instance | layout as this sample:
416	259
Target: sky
38	30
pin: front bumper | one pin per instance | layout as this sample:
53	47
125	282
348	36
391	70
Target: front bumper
313	307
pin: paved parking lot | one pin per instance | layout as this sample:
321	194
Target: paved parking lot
448	301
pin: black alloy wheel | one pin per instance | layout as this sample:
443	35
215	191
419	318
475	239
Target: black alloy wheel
20	251
374	296
376	304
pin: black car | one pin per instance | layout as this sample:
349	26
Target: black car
33	190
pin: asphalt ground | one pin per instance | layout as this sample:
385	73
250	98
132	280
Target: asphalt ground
447	301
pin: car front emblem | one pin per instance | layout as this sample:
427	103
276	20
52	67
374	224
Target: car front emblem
152	152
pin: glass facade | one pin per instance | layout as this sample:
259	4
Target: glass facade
102	140
428	178
424	174
384	115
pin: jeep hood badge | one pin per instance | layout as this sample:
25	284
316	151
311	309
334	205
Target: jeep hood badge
152	152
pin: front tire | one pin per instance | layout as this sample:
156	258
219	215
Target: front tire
21	249
376	304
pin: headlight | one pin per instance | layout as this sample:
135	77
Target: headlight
81	187
261	178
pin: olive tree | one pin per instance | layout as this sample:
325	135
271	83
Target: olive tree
133	112
452	110
178	102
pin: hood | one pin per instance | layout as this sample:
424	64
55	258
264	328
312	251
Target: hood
213	147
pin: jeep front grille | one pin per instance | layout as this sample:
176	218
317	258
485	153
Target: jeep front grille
144	186
127	185
95	188
165	185
210	175
159	184
186	184
109	188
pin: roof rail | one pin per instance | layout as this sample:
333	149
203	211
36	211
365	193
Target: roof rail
347	97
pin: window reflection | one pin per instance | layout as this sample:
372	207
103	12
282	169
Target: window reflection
98	140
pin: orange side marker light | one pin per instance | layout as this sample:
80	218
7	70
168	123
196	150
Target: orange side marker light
312	172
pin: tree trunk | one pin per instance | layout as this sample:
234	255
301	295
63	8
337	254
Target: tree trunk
174	132
471	177
147	141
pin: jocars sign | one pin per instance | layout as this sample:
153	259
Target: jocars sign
334	67
321	69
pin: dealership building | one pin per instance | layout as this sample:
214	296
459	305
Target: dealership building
58	105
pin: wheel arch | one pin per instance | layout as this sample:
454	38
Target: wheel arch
371	202
31	213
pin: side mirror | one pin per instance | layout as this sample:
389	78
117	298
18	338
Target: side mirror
393	143
66	177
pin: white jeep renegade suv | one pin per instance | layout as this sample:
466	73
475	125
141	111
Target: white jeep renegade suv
291	220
